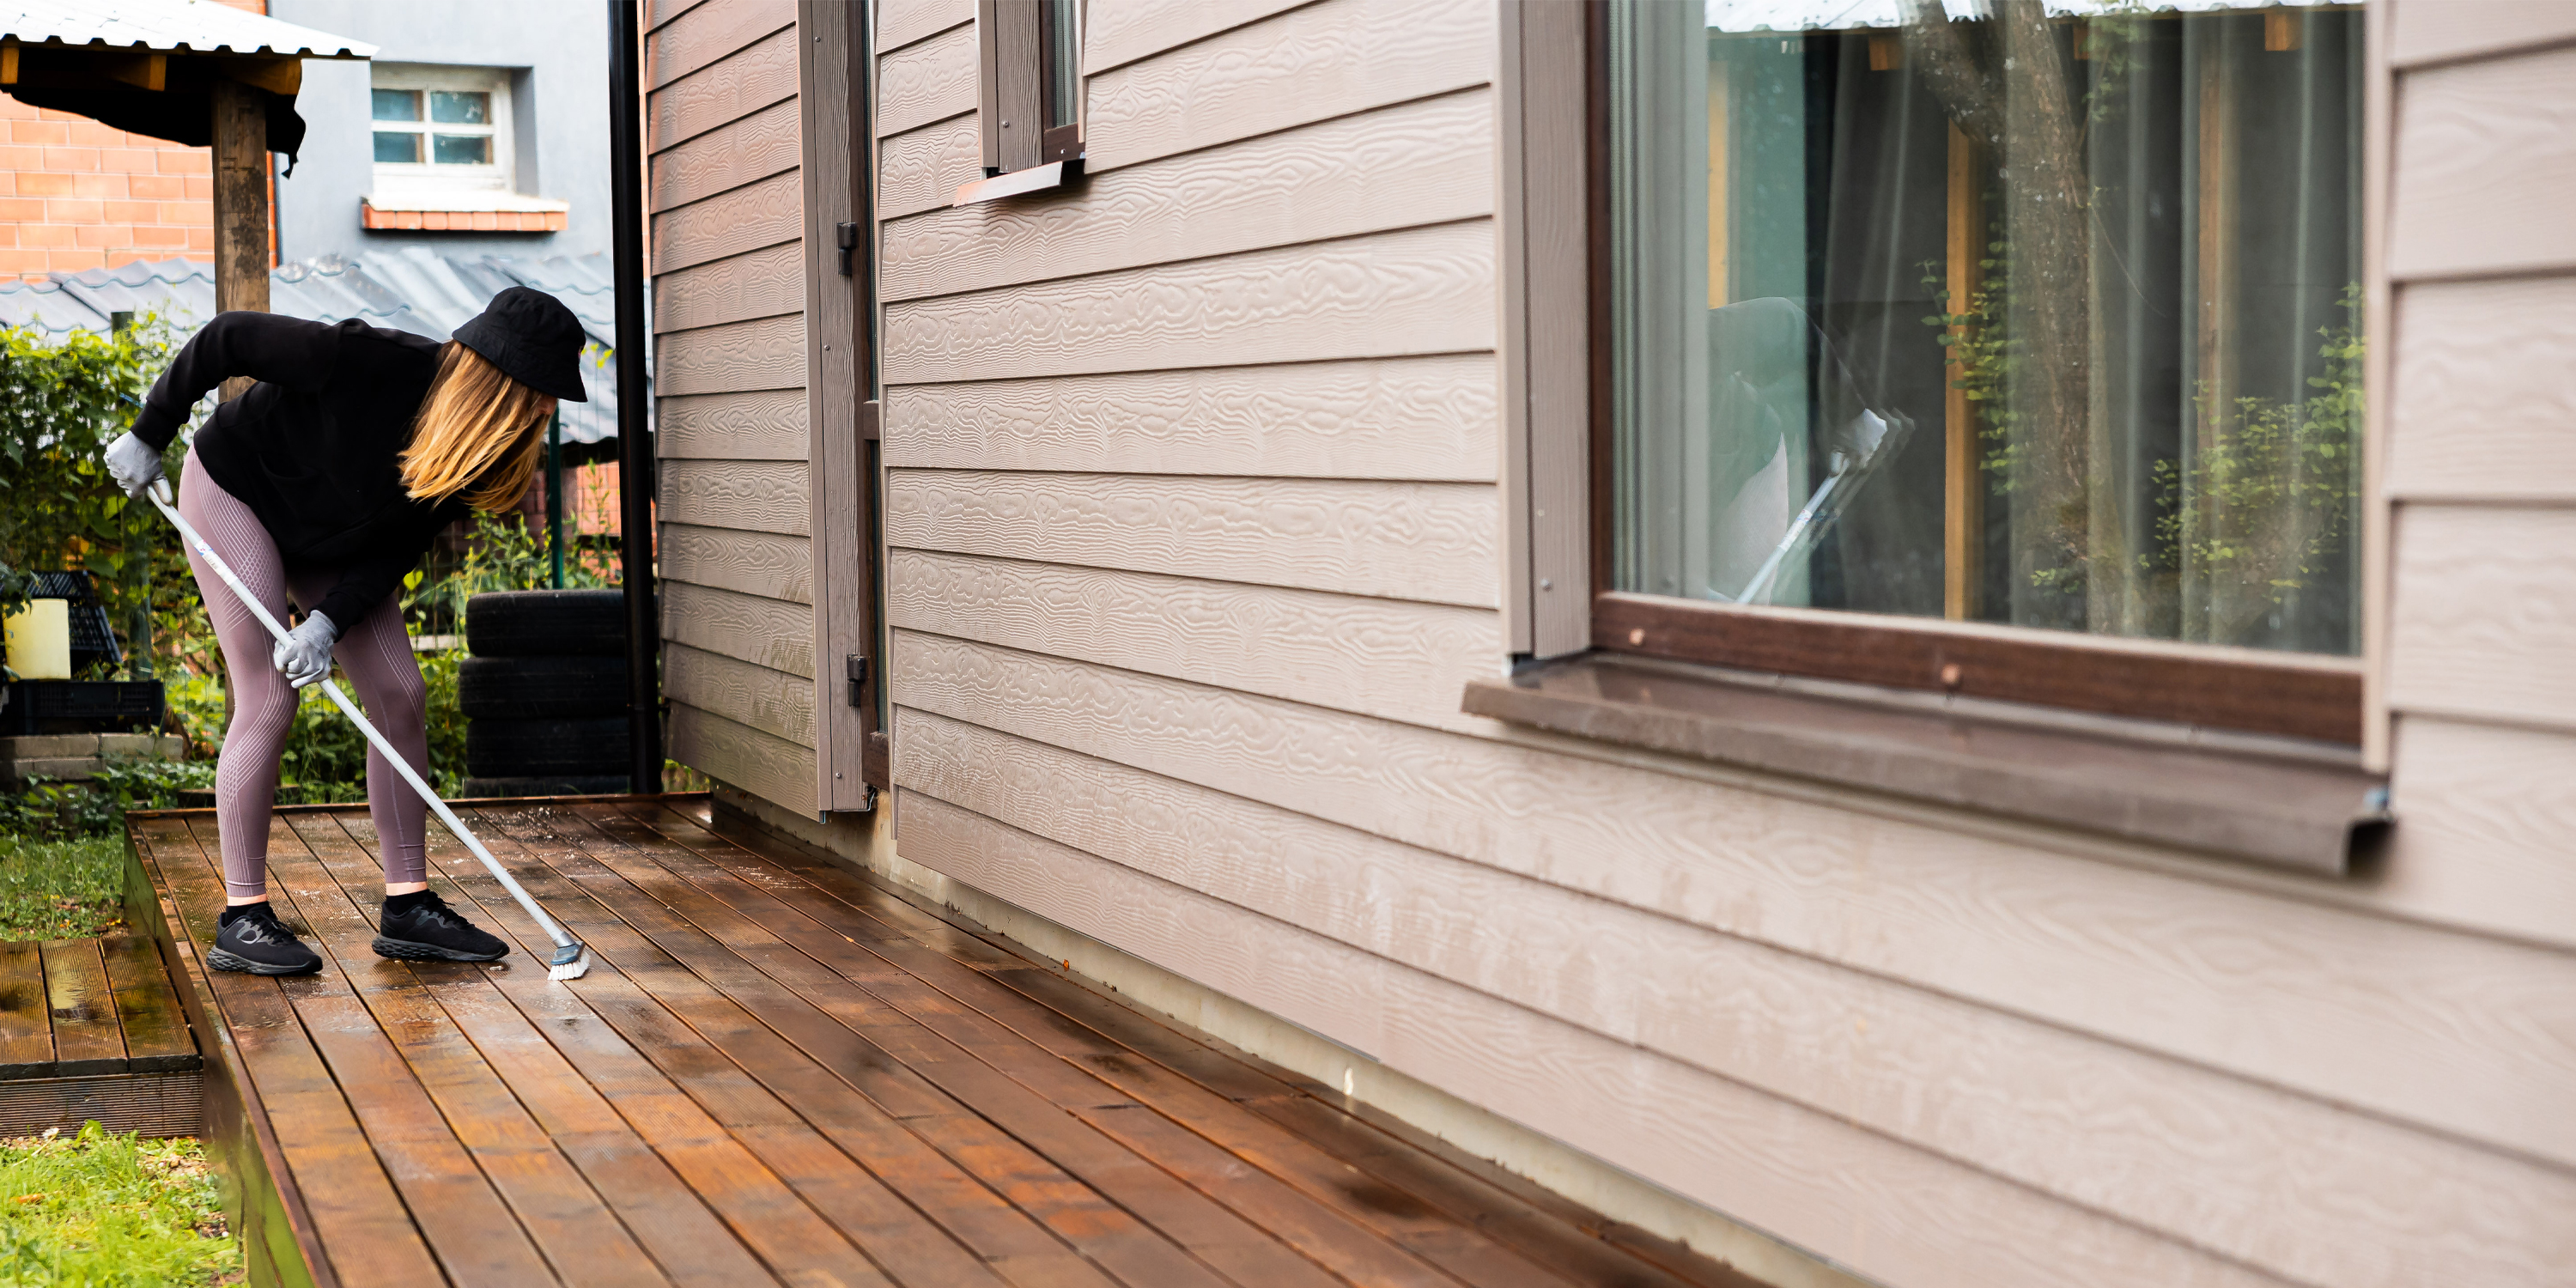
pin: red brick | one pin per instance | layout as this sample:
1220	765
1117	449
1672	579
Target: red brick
91	134
202	237
130	212
73	261
486	221
71	160
8	234
13	110
161	235
36	183
153	187
14	157
102	186
182	160
201	187
186	212
52	133
21	263
22	210
48	236
104	236
71	210
127	160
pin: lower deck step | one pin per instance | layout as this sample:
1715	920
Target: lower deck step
93	1029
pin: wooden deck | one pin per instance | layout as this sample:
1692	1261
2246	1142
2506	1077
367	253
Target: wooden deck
780	1071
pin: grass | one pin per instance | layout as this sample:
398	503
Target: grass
63	889
110	1210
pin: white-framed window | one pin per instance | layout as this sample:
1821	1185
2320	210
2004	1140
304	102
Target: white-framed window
441	128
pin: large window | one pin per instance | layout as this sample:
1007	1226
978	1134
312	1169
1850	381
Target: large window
2045	316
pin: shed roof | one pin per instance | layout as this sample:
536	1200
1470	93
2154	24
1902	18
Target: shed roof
167	26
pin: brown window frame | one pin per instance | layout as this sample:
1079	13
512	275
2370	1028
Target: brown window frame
2312	697
1018	79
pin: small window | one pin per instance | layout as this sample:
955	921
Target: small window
1030	53
441	128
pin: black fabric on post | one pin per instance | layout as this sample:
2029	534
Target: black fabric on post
634	447
180	115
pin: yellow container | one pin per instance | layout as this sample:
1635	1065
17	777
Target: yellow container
40	640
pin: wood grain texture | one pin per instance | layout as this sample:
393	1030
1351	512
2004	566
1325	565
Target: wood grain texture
755	147
755	563
657	12
2485	399
1419	163
2428	31
1425	541
1119	33
1877	1206
921	170
1422	290
2485	816
2246	1170
764	426
736	357
743	84
753	496
766	766
729	223
2483	614
1405	661
773	702
1394	418
1309	64
755	284
774	633
901	22
708	32
1548	361
2339	1003
2485	168
930	81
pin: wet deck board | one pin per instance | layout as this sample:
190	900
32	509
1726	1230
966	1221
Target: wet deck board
781	1071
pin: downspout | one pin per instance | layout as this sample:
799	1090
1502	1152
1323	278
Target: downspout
634	445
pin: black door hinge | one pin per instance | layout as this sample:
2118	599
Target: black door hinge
849	240
857	665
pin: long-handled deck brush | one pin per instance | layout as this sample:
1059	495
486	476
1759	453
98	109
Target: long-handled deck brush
571	960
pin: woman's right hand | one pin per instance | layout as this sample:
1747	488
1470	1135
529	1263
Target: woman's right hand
133	463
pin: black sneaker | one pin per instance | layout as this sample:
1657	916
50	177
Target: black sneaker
422	928
250	938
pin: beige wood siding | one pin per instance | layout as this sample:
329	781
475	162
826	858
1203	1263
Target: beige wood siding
1195	536
726	201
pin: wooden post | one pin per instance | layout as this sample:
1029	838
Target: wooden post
1964	487
241	204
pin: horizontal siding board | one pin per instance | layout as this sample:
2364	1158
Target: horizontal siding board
767	766
661	11
2484	820
755	147
1393	658
930	81
1872	1203
1420	163
753	496
1428	541
754	284
1308	64
765	426
2257	1174
2483	616
737	357
2389	1016
1423	290
1392	418
729	223
901	22
2485	400
753	79
1120	32
2485	168
773	702
755	563
708	32
922	169
2439	30
772	633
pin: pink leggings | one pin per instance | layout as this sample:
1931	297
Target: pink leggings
374	653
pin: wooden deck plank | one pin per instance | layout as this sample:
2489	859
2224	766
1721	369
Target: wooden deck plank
26	1032
357	1216
695	1058
83	1011
147	1007
822	1068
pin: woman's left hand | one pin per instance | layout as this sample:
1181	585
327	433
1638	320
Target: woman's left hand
133	464
305	654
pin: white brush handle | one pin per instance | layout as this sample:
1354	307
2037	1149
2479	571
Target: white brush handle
160	494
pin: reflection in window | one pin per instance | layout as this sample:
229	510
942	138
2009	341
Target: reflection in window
2048	317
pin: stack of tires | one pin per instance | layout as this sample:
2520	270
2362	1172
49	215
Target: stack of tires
543	691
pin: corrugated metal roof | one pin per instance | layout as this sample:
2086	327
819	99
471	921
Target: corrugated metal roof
167	26
1843	15
413	289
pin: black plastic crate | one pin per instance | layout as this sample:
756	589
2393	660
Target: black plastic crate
81	706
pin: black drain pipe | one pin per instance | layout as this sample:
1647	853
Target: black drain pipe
634	437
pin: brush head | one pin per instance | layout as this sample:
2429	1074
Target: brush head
572	961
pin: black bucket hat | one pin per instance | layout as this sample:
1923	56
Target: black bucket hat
532	338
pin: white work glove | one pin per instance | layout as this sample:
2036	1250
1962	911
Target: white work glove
305	654
133	464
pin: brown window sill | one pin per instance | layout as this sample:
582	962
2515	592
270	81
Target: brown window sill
2276	801
1041	178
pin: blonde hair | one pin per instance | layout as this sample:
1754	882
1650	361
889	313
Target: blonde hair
476	419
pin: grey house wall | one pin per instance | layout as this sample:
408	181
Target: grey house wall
559	97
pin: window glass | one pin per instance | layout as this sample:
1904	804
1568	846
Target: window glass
461	149
2046	316
397	149
1064	63
457	107
397	105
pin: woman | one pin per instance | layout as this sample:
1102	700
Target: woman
325	483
